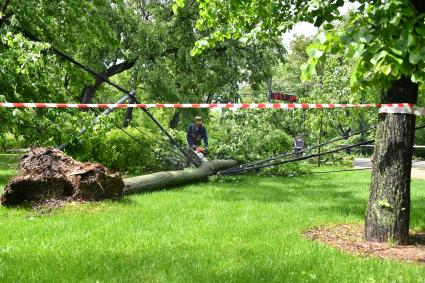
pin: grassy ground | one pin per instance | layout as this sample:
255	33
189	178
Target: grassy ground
8	166
236	231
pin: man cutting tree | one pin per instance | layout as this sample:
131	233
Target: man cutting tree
196	132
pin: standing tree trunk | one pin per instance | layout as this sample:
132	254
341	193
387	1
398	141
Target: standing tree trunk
320	137
270	90
388	210
174	122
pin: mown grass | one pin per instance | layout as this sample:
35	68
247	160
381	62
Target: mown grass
8	167
249	230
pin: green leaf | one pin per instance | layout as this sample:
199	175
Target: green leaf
307	71
397	59
418	77
304	72
328	26
321	38
397	51
365	37
417	55
175	9
378	56
395	21
315	53
354	80
411	40
180	3
386	69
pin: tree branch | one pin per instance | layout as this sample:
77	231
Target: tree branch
90	90
4	7
4	15
419	6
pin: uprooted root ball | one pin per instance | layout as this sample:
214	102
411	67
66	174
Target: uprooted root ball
47	173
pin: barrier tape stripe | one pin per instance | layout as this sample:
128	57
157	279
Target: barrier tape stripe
419	111
404	108
210	106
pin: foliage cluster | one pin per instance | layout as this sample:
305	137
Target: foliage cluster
141	45
249	136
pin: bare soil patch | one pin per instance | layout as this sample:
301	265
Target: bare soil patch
349	238
47	174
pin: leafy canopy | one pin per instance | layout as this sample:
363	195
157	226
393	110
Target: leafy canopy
386	38
152	39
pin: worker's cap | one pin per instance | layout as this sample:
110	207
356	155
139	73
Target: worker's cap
198	119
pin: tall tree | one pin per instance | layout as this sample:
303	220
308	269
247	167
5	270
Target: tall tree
142	44
386	39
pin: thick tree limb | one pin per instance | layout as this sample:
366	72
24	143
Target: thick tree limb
4	7
90	90
168	179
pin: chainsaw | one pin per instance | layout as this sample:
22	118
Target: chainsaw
200	153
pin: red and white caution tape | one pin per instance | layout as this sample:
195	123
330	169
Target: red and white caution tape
419	111
406	108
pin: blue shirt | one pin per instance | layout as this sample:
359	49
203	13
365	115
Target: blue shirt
195	135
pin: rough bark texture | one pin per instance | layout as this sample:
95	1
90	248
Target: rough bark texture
387	216
163	180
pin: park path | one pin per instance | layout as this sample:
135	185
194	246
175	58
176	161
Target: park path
418	166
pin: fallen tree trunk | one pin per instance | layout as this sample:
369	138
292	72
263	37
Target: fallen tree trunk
167	179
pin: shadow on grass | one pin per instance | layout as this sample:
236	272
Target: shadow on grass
127	200
320	193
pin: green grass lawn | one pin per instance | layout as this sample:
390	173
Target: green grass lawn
237	231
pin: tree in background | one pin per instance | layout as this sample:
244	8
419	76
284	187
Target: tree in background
144	45
386	41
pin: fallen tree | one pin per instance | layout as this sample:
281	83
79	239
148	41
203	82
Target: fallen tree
47	174
169	179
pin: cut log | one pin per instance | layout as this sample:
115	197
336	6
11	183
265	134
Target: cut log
168	179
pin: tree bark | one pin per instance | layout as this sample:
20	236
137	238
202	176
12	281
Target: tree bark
4	14
128	114
174	122
169	179
4	7
90	90
320	138
388	210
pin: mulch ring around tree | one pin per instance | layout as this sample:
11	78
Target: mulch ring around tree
350	238
48	176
